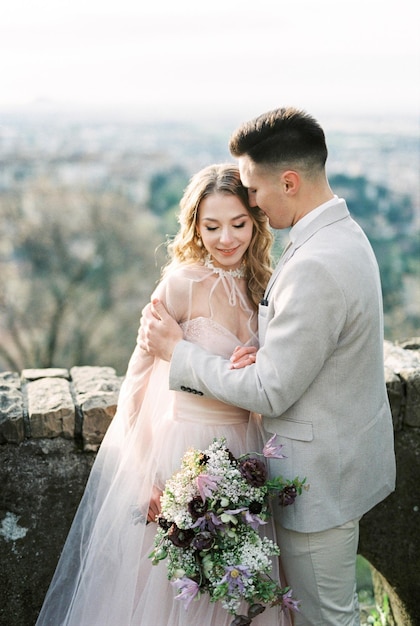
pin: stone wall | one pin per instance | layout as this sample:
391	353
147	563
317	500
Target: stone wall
45	403
51	424
390	533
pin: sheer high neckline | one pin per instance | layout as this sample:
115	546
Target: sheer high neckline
240	272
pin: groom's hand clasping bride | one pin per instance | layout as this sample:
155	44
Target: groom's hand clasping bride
159	332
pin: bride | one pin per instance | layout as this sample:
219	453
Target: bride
220	264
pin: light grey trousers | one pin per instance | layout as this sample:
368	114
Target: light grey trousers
321	569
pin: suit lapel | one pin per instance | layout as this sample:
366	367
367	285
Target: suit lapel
287	252
332	214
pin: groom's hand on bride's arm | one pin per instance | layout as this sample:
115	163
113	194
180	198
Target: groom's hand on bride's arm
159	332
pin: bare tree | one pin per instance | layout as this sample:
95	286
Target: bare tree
76	268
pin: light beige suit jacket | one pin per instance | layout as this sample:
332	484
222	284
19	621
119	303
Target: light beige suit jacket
318	380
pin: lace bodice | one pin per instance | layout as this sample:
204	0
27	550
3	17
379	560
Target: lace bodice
215	338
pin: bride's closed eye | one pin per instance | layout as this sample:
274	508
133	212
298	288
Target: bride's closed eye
212	228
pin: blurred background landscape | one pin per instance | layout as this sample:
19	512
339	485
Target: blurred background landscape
107	108
86	206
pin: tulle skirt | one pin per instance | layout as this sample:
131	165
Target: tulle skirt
105	576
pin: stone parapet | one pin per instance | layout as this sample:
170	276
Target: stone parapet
12	425
46	403
402	372
81	402
52	422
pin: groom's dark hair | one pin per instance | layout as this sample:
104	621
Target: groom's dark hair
282	136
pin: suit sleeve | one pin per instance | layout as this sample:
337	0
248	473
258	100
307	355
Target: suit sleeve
308	310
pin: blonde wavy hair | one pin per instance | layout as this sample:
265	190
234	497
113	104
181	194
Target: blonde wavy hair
187	248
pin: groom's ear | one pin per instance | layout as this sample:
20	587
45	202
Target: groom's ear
290	182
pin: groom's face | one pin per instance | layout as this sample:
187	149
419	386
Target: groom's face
266	190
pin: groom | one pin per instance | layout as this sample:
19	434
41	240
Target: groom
318	377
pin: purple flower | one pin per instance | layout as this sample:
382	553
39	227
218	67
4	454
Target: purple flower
254	471
272	450
235	576
253	520
207	484
289	603
209	522
187	589
235	511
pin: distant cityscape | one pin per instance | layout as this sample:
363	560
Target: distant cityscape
124	153
85	204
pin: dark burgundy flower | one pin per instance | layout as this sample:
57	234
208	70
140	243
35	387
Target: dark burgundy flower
180	537
254	471
288	495
163	523
203	458
203	541
241	620
197	508
232	459
255	508
255	609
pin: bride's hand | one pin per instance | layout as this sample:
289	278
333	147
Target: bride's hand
154	505
243	356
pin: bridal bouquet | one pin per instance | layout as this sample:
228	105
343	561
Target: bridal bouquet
211	511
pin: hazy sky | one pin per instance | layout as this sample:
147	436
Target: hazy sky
219	56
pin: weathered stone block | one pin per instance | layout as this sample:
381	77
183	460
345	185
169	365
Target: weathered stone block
96	393
9	380
98	412
398	358
12	427
48	372
411	378
395	391
413	343
88	378
403	364
50	408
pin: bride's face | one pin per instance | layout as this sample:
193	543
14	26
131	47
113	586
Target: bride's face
225	227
